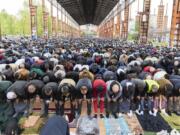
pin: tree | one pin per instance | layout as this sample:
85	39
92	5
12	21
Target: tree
39	20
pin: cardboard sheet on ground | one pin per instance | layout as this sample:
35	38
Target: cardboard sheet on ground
134	124
31	121
30	130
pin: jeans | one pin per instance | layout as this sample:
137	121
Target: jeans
146	104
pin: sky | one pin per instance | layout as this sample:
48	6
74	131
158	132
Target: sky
13	6
154	7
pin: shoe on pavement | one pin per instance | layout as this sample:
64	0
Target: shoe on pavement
101	116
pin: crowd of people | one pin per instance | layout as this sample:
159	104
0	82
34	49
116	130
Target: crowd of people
116	76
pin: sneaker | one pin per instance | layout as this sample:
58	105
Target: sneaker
130	114
120	114
177	113
164	112
174	132
107	115
162	132
101	116
73	124
115	115
66	118
95	116
137	112
155	113
150	113
141	112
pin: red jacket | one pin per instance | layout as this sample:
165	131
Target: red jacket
96	83
147	69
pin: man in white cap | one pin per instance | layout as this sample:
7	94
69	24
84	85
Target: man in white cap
17	94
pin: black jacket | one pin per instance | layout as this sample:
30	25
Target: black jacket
53	86
38	84
66	83
84	82
128	89
51	76
176	84
73	75
19	87
4	85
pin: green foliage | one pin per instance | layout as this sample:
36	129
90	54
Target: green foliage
133	36
49	25
20	24
136	26
39	21
7	23
16	25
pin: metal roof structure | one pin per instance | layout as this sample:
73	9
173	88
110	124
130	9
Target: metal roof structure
88	11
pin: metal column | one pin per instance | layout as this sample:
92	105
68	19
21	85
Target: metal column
125	23
45	20
33	18
144	22
175	25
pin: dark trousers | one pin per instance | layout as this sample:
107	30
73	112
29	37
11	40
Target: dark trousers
60	107
125	106
45	107
112	107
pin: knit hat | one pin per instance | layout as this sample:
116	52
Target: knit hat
68	81
46	79
60	74
65	89
77	67
120	71
86	74
94	68
58	67
11	95
85	67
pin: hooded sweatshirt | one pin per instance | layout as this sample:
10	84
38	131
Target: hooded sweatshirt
99	88
84	82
